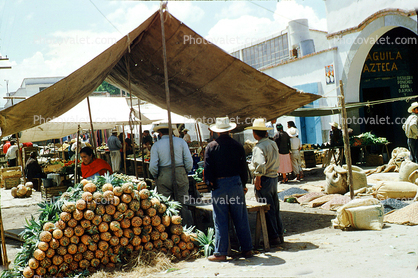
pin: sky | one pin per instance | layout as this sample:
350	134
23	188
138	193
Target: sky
56	37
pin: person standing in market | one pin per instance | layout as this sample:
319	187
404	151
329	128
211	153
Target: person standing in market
114	145
226	173
186	136
282	140
411	131
295	147
33	170
335	135
271	124
160	169
6	145
264	166
11	154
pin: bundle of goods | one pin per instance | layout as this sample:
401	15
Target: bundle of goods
22	191
100	224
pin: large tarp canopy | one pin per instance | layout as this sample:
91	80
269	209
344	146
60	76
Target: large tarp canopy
106	113
204	81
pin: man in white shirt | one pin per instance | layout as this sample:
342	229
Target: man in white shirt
295	147
11	154
186	136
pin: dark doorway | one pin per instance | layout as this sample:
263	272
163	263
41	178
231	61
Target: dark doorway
375	116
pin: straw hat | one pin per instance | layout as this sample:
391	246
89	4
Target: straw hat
73	140
160	126
412	107
222	124
114	130
185	130
293	132
259	124
334	124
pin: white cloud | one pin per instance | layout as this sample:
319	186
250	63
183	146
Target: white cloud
234	10
186	11
233	33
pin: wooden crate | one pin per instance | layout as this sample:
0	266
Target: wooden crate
51	192
53	168
5	176
9	183
202	187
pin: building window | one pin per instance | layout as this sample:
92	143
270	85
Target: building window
267	53
42	88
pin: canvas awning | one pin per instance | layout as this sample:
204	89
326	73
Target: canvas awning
106	112
205	81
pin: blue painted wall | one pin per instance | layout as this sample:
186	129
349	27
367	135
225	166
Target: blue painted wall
309	127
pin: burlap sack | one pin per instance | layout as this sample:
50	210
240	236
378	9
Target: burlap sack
361	214
394	189
359	177
336	179
406	169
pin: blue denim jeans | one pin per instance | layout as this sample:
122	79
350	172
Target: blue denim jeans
268	194
229	199
413	149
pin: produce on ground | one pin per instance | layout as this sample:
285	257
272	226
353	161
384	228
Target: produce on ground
100	225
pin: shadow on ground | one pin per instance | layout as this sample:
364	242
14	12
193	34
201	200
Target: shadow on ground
302	222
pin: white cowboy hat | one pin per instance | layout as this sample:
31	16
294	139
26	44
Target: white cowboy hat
259	124
161	126
334	124
222	124
185	130
412	107
293	132
114	130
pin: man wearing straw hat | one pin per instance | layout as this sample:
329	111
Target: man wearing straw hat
264	166
160	168
411	131
114	145
226	172
186	136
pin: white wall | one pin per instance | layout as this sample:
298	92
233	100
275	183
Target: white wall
343	14
320	40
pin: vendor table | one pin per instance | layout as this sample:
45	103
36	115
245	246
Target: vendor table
252	206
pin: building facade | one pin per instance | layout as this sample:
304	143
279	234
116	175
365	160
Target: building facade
370	46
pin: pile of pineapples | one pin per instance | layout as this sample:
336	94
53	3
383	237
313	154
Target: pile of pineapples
97	222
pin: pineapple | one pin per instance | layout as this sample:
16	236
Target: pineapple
176	219
41	271
53	269
124	241
74	239
89	187
57	260
103	245
166	220
127	188
43	246
64	241
72	223
54	243
57	234
103	227
144	194
117	191
59	225
61	250
97	197
162	208
146	220
154	235
155	220
182	245
49	253
122	207
68	207
100	210
87	196
136	240
145	204
135	205
45	263
106	236
99	254
33	263
147	229
136	221
158	243
155	202
168	243
148	246
114	241
126	198
45	236
49	227
65	216
129	214
28	272
125	223
160	228
96	220
115	201
107	187
81	204
163	235
72	249
78	215
91	205
68	258
78	230
118	216
176	229
151	212
68	232
185	253
81	248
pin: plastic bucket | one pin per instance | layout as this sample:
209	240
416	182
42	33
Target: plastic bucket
48	182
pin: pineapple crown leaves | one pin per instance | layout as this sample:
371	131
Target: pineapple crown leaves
188	230
173	207
158	196
206	242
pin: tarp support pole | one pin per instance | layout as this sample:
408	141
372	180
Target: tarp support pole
140	139
131	111
76	156
91	126
167	98
347	150
124	147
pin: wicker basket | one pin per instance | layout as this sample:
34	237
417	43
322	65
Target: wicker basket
9	183
10	172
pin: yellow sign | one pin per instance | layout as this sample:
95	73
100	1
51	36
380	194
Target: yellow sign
381	61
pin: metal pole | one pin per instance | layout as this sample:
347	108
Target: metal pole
91	126
167	97
347	150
